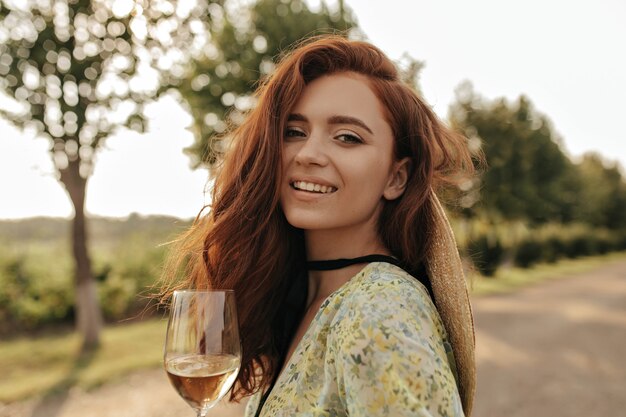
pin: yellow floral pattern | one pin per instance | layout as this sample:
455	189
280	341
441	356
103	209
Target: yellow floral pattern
375	348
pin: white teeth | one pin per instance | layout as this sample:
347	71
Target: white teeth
309	186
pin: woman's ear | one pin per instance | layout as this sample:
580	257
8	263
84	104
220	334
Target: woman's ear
398	179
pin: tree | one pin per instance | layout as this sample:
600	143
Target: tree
602	189
80	70
243	46
528	176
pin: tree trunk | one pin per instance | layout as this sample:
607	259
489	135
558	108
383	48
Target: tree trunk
88	313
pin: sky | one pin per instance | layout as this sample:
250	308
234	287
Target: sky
567	56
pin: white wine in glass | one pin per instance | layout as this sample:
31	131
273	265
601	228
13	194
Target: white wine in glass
202	348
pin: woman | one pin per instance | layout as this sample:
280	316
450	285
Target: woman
325	222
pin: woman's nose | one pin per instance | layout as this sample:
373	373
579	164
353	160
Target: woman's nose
313	151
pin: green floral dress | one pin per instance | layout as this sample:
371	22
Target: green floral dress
376	347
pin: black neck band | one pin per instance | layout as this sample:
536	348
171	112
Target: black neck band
331	264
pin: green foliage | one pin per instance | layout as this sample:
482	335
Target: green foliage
602	193
528	253
60	62
34	290
129	273
578	240
487	253
244	43
529	177
554	248
36	270
80	69
491	244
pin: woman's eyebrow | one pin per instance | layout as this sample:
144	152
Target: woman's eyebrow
333	120
297	117
349	120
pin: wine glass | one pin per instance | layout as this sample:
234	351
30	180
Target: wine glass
202	350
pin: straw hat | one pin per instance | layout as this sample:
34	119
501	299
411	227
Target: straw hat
451	297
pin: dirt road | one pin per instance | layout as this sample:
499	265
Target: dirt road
556	349
552	350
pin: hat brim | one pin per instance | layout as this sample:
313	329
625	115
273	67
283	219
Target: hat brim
451	298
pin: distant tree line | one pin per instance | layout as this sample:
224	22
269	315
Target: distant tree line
103	229
528	175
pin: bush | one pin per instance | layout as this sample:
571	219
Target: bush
527	246
37	285
131	272
554	249
573	242
34	291
487	253
579	245
530	251
620	241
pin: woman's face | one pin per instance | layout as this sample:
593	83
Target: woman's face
338	157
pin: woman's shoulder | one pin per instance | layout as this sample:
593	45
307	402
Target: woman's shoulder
385	291
388	345
382	281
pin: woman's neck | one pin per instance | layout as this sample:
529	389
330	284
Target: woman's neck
333	244
325	245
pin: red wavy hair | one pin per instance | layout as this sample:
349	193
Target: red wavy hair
245	243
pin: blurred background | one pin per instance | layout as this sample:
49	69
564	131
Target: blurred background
111	114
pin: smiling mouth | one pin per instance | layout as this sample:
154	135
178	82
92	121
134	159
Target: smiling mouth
312	187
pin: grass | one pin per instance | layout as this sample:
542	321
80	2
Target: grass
47	365
512	278
52	364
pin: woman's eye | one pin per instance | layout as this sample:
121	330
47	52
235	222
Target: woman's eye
348	138
291	132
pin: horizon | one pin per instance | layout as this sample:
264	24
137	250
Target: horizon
96	217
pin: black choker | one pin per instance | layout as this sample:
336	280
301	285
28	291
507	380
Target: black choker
331	264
